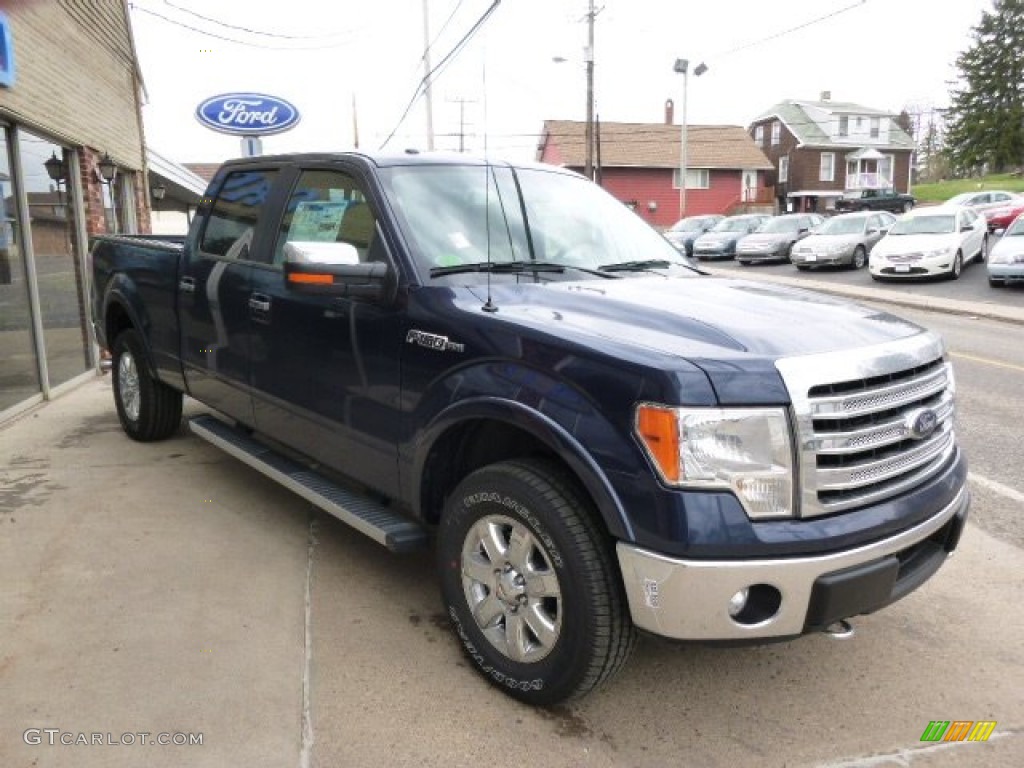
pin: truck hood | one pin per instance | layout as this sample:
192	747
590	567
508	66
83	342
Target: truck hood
693	318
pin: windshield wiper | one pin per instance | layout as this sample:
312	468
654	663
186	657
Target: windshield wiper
512	268
636	266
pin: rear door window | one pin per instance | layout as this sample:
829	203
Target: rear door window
233	218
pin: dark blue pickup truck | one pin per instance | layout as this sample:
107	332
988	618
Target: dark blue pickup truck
505	363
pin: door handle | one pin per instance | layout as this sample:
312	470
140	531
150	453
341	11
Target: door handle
259	302
187	285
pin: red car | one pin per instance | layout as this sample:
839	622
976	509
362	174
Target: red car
1001	217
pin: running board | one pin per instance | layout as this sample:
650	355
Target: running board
379	522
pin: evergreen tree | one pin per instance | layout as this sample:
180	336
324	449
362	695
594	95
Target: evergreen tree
986	115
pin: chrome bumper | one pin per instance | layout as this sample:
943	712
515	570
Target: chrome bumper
689	599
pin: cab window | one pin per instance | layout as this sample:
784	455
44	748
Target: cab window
233	217
328	207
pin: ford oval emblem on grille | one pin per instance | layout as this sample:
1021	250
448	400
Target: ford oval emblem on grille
921	423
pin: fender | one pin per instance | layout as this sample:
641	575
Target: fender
121	292
544	429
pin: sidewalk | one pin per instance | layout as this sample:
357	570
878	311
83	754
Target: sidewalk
898	298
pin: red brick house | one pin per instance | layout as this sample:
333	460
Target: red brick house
819	149
639	164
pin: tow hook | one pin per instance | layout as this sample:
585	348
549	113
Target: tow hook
839	630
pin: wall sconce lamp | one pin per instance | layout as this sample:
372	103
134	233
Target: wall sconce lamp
158	190
107	169
652	206
55	168
631	204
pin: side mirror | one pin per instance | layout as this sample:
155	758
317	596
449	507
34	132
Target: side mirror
999	232
873	231
334	269
967	228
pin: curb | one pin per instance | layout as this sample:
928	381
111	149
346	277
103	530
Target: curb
1014	315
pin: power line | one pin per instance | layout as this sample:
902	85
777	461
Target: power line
247	29
785	32
439	66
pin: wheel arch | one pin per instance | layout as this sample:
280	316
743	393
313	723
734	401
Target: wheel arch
482	431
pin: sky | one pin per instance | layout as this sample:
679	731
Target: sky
345	64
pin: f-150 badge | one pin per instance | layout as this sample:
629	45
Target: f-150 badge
433	341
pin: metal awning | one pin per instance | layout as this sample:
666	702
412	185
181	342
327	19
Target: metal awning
866	153
184	189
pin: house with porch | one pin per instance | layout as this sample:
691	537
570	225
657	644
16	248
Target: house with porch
639	163
820	149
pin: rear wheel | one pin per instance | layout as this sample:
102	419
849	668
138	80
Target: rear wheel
860	257
530	583
907	206
149	410
983	251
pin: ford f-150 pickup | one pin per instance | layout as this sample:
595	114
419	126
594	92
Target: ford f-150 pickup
507	364
875	200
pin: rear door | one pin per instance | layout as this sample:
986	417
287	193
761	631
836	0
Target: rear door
325	369
214	292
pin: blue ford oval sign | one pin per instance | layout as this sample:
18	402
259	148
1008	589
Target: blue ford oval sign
247	114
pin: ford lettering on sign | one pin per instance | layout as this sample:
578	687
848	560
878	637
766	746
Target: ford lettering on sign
247	114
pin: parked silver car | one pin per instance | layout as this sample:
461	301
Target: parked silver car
774	239
844	239
1006	262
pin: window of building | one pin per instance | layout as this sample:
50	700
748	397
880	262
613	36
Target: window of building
844	125
759	135
827	168
232	222
776	132
876	124
783	170
696	178
57	255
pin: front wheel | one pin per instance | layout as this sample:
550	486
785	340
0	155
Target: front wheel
983	251
958	266
530	583
860	257
149	410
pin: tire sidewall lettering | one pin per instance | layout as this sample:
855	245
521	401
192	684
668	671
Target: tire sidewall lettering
537	684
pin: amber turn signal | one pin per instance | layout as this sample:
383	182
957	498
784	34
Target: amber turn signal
310	279
658	428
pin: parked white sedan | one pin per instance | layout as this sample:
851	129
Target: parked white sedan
928	242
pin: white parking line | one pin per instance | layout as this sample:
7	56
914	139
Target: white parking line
904	757
992	485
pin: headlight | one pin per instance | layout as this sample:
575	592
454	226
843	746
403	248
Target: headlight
936	253
746	450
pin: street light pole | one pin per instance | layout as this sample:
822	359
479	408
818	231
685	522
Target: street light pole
682	66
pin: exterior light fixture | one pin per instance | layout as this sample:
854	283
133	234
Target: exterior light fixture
107	169
158	190
55	168
652	206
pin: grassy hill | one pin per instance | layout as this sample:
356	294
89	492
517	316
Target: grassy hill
941	191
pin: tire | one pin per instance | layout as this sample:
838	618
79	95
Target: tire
860	258
802	267
743	262
983	251
574	631
958	266
149	410
906	207
993	282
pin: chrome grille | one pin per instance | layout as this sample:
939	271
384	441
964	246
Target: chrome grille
857	438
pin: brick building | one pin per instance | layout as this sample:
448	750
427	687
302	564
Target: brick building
69	105
639	163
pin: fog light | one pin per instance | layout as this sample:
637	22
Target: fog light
738	602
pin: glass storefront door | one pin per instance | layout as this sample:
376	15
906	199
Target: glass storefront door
53	228
19	371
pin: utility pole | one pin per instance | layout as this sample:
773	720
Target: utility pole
428	99
462	101
355	123
589	58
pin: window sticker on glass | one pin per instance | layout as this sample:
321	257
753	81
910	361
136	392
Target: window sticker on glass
317	221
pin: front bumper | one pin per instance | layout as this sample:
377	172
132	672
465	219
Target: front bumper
689	599
775	254
923	267
822	258
1013	271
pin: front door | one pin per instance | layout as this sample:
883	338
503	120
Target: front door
214	295
749	186
325	370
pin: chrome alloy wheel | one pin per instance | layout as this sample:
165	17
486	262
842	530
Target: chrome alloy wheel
511	588
128	385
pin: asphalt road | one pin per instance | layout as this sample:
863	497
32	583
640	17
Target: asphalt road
972	285
168	588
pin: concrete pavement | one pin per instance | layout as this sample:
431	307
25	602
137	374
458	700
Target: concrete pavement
166	588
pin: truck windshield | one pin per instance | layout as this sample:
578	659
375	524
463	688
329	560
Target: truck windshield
453	215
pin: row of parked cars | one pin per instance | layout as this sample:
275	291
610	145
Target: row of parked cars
925	242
